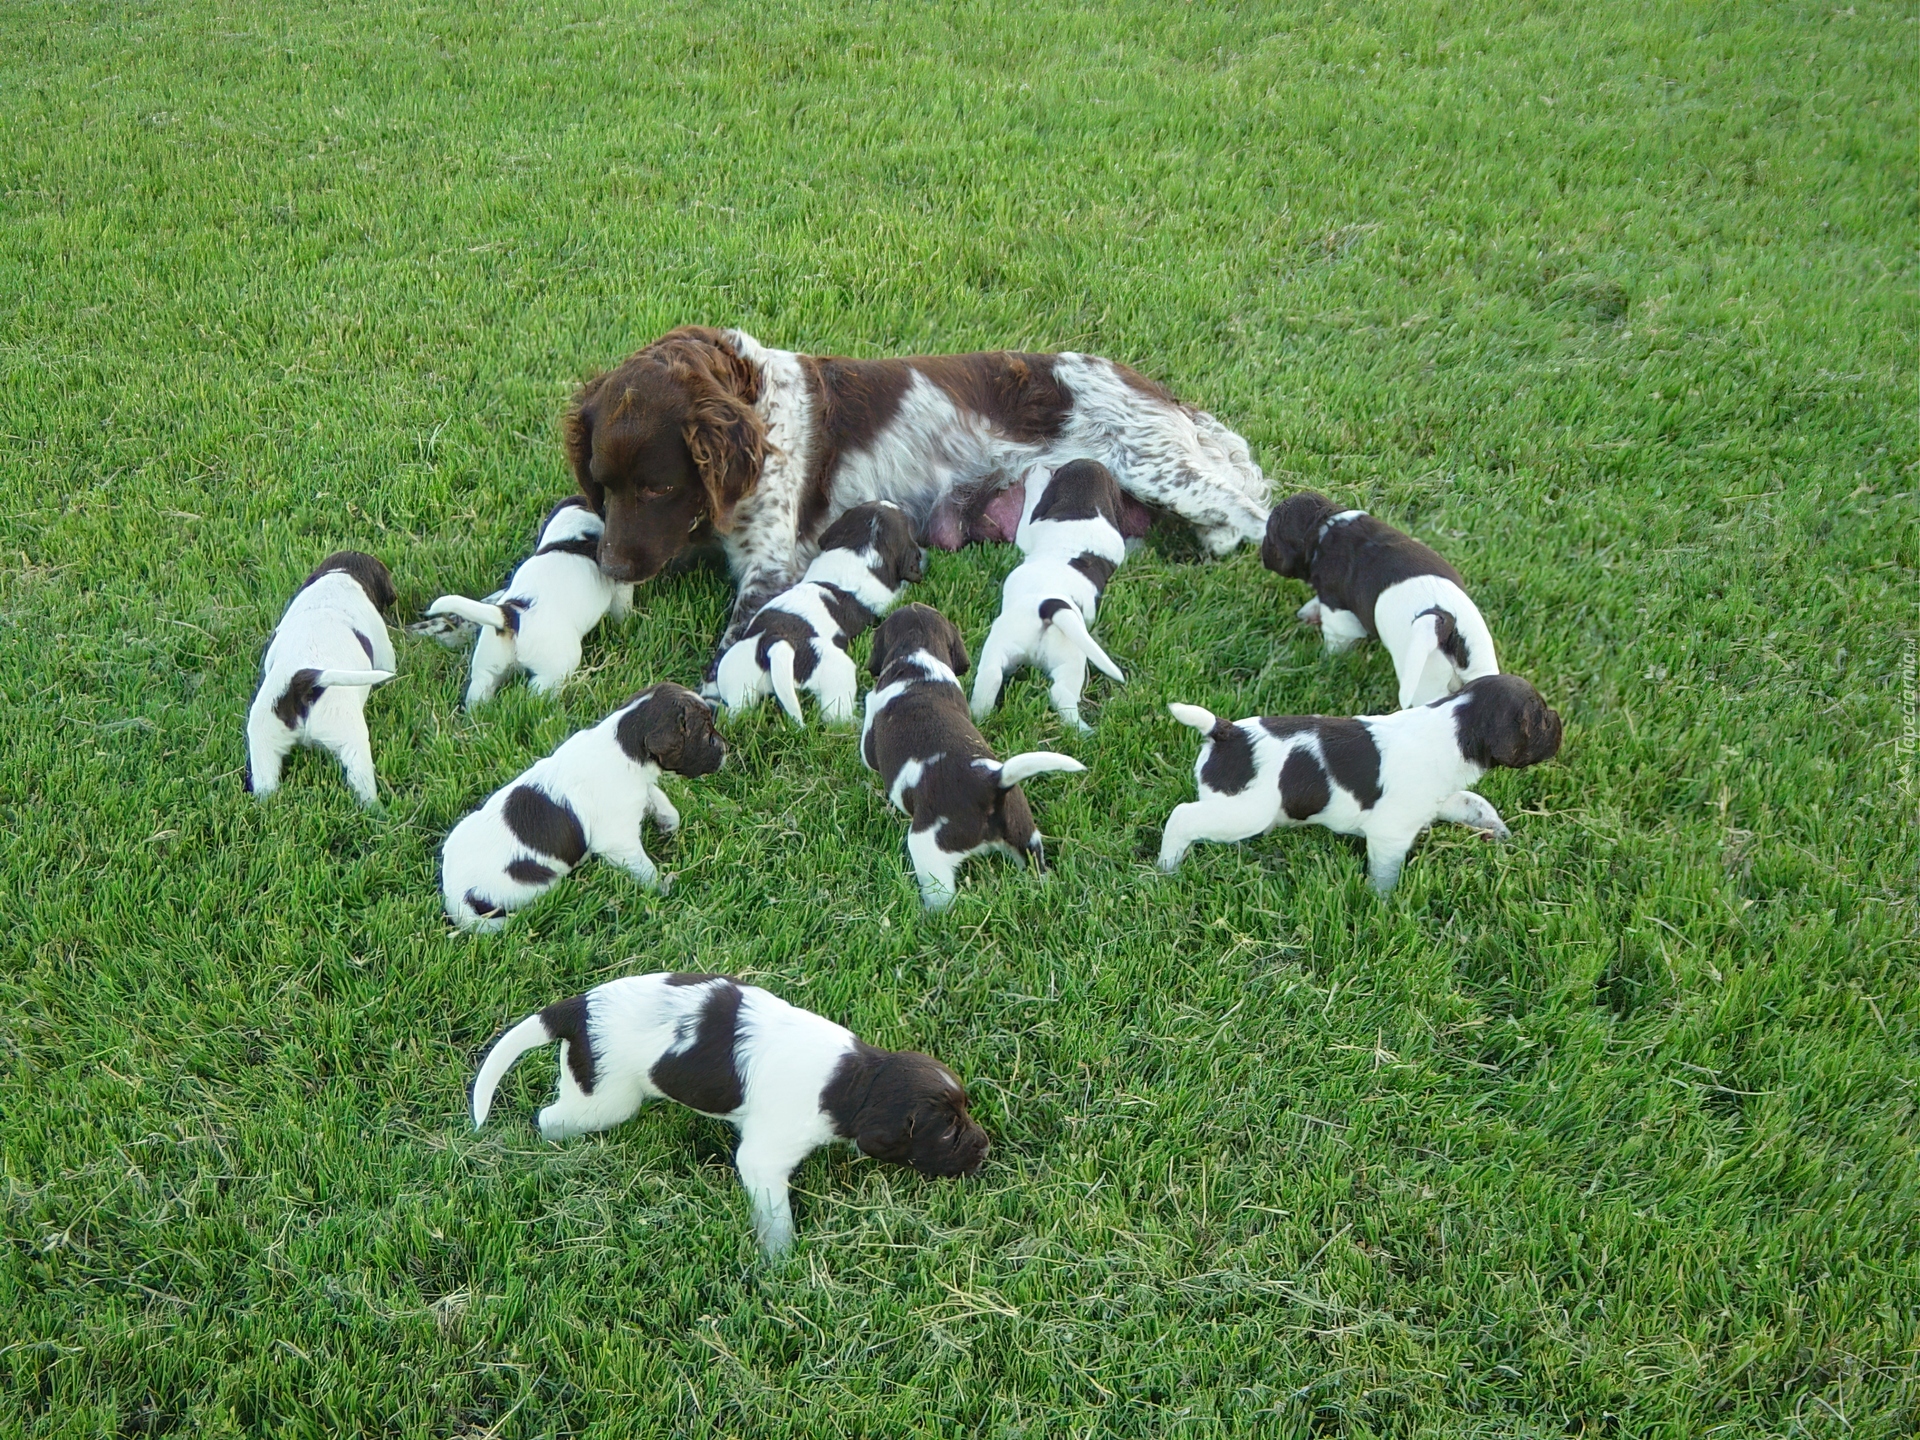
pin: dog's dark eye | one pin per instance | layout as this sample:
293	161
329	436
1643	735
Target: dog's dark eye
651	494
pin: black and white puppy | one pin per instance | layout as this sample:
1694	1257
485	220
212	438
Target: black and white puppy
330	648
1070	534
554	598
589	797
935	764
788	1080
800	637
1383	777
1369	579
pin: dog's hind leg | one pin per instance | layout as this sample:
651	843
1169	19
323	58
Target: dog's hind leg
493	662
835	684
342	728
268	742
557	658
1220	818
997	656
1069	679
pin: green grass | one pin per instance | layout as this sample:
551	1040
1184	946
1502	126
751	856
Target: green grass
1609	1131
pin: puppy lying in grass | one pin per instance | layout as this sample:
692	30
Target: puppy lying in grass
1369	579
1383	777
330	648
589	797
1070	534
788	1080
537	623
935	765
799	639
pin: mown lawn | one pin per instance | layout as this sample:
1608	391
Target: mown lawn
1608	1131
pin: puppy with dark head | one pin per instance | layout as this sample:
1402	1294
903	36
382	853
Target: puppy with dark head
536	624
329	650
799	639
1370	580
589	797
1385	778
788	1080
1070	534
934	764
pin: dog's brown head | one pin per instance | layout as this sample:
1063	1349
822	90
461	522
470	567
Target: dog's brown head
905	1108
362	568
917	627
883	528
671	727
666	445
1293	533
1503	721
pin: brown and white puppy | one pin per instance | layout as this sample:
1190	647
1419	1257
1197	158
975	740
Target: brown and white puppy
935	765
1070	534
329	650
1383	777
555	597
788	1080
590	796
799	639
709	434
1371	580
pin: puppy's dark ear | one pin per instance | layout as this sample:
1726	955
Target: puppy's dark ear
1293	533
653	729
877	656
1503	721
956	649
913	563
576	430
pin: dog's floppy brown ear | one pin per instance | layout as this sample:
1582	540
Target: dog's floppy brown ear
725	436
576	431
956	650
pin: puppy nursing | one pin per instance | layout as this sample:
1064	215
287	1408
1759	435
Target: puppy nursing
589	797
1369	579
330	648
935	765
554	598
788	1080
1070	534
798	640
1383	777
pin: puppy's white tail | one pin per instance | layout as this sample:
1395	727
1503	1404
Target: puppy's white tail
1068	620
530	1034
1202	720
351	677
780	671
477	612
1035	762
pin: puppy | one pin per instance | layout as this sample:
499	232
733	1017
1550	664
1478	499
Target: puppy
553	600
1070	534
788	1080
329	649
800	636
1371	580
589	796
1383	777
935	764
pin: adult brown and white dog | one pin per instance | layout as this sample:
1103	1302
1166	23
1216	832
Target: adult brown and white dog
790	1081
708	434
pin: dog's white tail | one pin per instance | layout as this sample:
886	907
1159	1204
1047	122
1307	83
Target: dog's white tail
1035	762
351	677
530	1034
1202	720
780	670
477	612
1069	621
